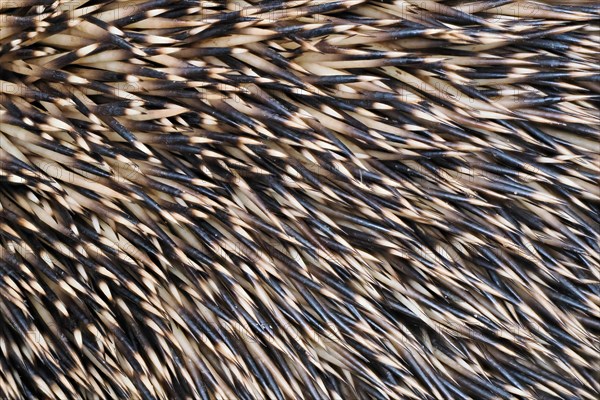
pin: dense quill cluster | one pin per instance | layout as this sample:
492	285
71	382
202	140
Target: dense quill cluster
299	200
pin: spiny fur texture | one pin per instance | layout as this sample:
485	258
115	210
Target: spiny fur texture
299	200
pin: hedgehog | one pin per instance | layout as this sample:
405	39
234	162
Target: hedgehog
299	199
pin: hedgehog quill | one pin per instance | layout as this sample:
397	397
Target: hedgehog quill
299	199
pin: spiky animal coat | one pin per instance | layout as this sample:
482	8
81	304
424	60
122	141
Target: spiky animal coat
299	200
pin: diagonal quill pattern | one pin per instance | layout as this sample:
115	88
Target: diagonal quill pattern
299	200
